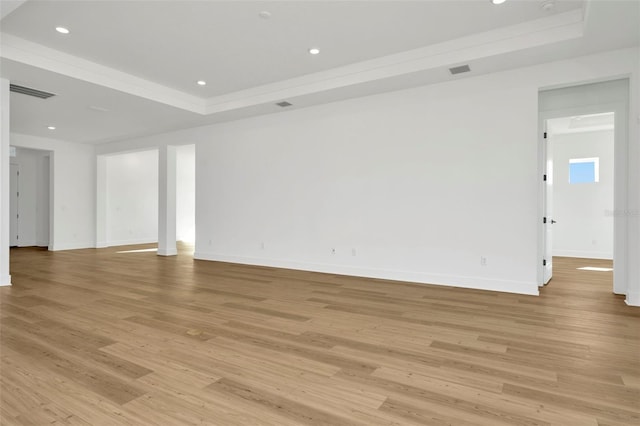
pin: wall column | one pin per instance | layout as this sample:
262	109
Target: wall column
167	201
5	277
101	201
633	212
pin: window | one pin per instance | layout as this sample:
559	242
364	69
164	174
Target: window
584	170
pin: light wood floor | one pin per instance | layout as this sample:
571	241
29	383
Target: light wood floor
96	337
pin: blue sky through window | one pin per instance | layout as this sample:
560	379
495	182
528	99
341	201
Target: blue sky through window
582	172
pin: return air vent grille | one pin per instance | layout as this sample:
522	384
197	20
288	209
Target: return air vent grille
284	104
460	69
30	92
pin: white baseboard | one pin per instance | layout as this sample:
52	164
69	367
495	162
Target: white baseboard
583	254
5	280
479	283
71	246
33	244
131	242
167	252
633	299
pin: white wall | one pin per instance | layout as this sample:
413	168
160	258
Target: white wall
422	183
5	277
185	193
584	212
132	198
43	188
33	202
633	208
73	174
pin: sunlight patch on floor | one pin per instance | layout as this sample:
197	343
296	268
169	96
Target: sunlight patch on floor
595	268
138	251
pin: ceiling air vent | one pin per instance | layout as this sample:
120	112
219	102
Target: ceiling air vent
30	92
460	69
284	104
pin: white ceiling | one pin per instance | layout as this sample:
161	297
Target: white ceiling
581	123
140	60
176	43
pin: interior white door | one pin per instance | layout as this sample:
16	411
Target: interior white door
13	204
548	212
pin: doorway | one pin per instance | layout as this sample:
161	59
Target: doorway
30	181
606	101
579	197
186	196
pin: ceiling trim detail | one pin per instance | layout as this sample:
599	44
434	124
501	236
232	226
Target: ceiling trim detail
37	55
539	32
534	33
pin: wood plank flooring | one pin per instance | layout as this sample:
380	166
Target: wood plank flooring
97	337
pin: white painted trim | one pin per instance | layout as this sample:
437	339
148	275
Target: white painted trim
71	246
633	299
548	30
519	287
8	7
167	252
37	55
582	254
167	200
621	185
5	226
130	242
544	31
101	201
30	243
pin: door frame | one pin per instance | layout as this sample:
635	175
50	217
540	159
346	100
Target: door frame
547	176
17	202
620	185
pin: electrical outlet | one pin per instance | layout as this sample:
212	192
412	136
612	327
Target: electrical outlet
262	245
483	261
333	251
353	252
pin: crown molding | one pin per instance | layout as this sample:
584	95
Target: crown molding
20	50
544	31
9	6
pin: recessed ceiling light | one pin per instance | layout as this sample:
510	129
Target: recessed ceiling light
201	83
51	127
498	1
265	14
62	30
314	50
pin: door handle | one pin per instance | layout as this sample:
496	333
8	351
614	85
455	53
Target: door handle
553	221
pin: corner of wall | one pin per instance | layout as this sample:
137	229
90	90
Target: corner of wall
5	280
633	299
